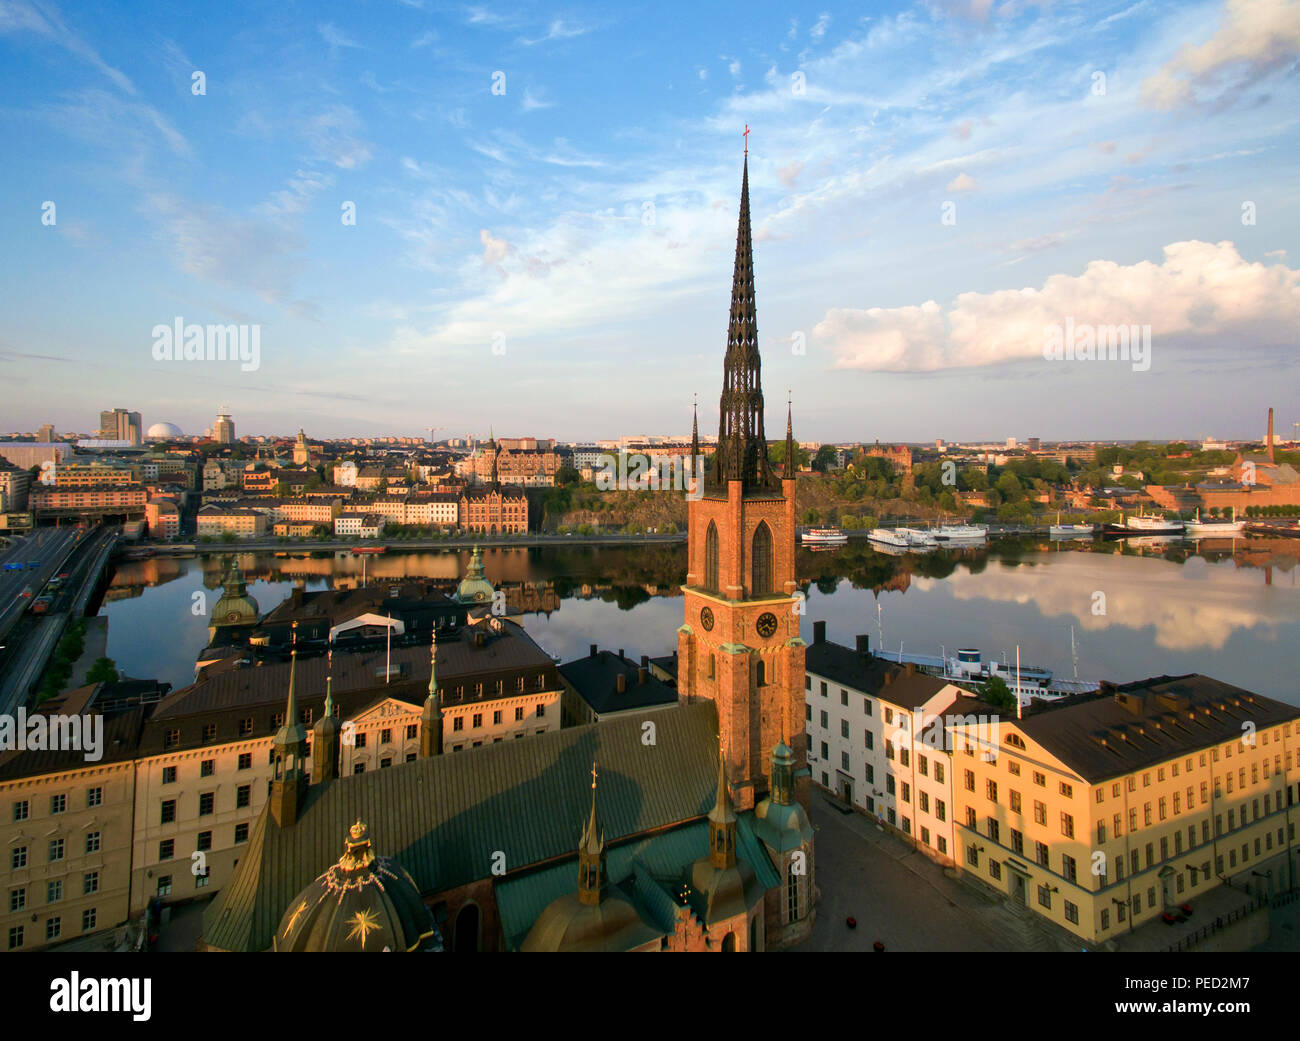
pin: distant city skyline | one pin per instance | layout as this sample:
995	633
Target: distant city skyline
466	215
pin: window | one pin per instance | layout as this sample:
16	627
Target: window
1041	853
761	584
164	885
245	760
973	855
241	832
56	850
94	797
995	870
90	882
53	927
1044	896
1067	825
17	899
938	771
53	892
844	728
166	849
358	768
1040	812
711	557
844	762
458	723
1105	918
412	731
1068	868
970	780
1067	790
245	726
168	811
844	696
1017	842
541	711
18	857
923	766
904	756
88	919
172	738
15	936
206	802
243	796
519	713
209	732
58	803
360	739
386	737
1040	779
207	767
204	841
92	842
21	810
870	741
866	706
1015	800
1071	913
496	718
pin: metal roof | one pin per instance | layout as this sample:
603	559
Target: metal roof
445	818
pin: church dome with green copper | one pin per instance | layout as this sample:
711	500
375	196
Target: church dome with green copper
474	588
235	606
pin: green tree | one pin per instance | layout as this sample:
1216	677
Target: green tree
994	691
826	458
103	671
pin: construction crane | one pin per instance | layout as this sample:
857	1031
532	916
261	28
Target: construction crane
431	431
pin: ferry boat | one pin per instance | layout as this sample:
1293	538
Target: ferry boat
823	537
369	549
950	533
968	670
1142	525
918	538
888	537
1070	531
1199	529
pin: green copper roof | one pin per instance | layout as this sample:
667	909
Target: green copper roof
445	817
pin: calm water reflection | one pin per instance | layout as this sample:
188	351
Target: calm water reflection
1228	610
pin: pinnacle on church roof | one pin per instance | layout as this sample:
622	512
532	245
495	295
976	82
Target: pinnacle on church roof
790	469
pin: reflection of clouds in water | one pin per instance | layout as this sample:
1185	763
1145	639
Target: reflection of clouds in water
1193	605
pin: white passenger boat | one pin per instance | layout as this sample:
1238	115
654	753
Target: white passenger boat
918	538
888	537
951	533
823	537
1208	529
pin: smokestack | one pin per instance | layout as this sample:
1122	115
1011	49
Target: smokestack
620	683
819	632
645	661
864	646
620	654
593	651
1269	447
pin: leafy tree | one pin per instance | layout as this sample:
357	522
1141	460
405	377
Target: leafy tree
826	458
103	671
994	691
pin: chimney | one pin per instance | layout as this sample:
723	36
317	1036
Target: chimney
620	683
641	675
620	654
593	651
864	646
1269	447
645	661
819	632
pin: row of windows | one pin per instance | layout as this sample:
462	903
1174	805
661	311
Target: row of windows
57	851
458	722
53	928
167	847
207	803
53	891
58	803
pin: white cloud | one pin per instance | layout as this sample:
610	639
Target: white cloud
1254	37
335	38
963	183
789	173
819	29
1200	289
494	250
332	135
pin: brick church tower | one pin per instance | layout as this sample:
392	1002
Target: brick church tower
740	644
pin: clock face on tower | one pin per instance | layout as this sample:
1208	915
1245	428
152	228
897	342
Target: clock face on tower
706	619
766	624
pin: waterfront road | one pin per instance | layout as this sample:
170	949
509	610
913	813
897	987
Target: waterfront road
48	549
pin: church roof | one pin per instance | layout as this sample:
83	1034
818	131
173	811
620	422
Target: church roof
444	817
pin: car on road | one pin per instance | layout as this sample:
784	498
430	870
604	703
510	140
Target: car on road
33	564
13	567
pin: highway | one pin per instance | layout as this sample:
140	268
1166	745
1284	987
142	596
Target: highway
31	639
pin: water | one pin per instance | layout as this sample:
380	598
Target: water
1231	611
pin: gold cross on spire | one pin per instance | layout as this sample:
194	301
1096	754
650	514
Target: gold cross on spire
746	136
593	775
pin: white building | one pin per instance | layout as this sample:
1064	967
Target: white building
877	738
362	525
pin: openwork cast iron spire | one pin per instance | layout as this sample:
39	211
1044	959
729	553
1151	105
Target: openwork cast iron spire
742	447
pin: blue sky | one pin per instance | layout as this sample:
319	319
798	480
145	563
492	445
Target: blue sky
554	257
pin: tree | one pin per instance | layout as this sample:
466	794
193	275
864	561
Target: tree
994	691
826	458
103	671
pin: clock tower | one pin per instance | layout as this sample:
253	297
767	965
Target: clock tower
739	645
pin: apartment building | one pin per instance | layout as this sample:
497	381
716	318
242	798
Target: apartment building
360	525
15	484
1103	812
127	499
213	521
877	739
65	836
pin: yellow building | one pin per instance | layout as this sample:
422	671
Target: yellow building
65	833
1104	812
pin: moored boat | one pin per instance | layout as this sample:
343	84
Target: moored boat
823	537
888	537
1199	529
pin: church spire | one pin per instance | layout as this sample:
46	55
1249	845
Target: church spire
790	468
722	821
591	854
742	446
288	750
325	734
431	716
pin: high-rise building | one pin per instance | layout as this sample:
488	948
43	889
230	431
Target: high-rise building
46	434
120	425
223	431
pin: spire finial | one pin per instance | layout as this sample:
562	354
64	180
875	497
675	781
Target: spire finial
433	664
790	470
746	136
